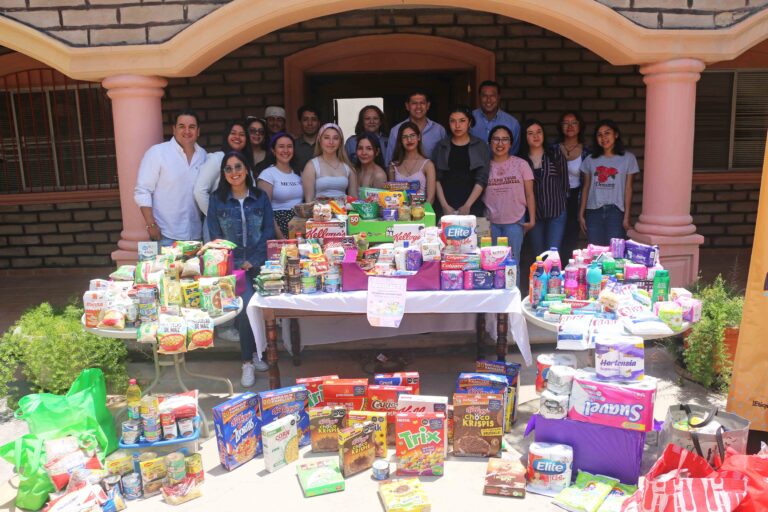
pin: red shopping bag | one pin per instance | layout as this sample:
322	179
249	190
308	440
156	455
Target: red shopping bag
681	481
755	469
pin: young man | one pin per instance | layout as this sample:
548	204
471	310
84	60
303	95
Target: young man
275	117
165	183
489	115
417	106
304	148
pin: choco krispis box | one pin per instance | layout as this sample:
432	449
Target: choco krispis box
279	403
478	424
238	430
324	425
421	442
357	449
384	398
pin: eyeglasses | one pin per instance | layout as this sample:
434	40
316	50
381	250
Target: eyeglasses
256	131
230	169
501	140
410	136
570	123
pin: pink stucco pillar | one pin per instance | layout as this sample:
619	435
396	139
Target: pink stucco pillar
137	116
668	170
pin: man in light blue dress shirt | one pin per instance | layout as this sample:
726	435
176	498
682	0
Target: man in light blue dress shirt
417	106
489	116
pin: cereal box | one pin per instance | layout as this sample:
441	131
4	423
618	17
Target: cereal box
512	372
399	379
324	425
281	443
238	430
484	384
477	424
347	392
357	450
384	398
421	441
505	478
381	428
405	495
314	387
320	477
283	402
426	403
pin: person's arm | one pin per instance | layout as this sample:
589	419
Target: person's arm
628	201
267	233
430	173
477	191
587	181
206	181
214	228
447	209
308	182
146	181
379	178
530	201
352	188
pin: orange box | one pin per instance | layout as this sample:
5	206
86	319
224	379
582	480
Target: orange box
314	387
350	393
384	398
399	379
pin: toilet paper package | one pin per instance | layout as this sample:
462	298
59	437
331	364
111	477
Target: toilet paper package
549	468
545	361
553	406
619	358
459	233
627	405
560	379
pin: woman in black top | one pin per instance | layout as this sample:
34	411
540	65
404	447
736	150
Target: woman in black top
550	186
462	162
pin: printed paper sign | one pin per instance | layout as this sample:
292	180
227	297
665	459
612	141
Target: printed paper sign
386	301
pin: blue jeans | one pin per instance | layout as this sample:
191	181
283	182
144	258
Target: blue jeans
548	233
604	223
247	340
166	242
514	233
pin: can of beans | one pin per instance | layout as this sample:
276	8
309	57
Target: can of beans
177	467
110	482
186	426
132	486
131	431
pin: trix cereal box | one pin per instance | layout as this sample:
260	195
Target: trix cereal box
477	424
347	392
399	379
314	387
379	420
356	448
324	425
426	403
282	402
512	372
384	398
281	443
238	430
421	442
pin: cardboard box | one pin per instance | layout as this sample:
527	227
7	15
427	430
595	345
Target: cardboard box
287	401
381	230
478	424
320	477
357	449
421	443
380	426
314	387
404	495
324	425
426	403
399	379
384	398
281	443
350	393
321	230
505	478
512	372
238	430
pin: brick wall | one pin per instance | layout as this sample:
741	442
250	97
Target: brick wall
726	214
62	235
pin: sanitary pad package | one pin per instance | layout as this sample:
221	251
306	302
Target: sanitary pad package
619	358
641	253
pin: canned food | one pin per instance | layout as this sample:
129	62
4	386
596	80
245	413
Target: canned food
132	486
166	418
149	405
170	431
381	470
309	284
194	465
110	482
177	467
404	212
389	214
131	431
294	285
186	426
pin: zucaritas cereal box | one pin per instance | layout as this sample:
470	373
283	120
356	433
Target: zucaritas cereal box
282	402
238	430
484	383
281	443
347	392
421	442
512	372
384	398
320	477
404	495
314	387
324	425
380	425
357	450
477	424
399	379
427	403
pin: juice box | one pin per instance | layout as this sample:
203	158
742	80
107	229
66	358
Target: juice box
421	442
282	402
427	403
399	379
379	420
324	425
320	477
281	443
512	372
357	450
347	392
238	430
384	398
314	387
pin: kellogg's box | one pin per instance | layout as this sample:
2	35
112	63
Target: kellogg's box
314	387
238	430
420	447
384	398
512	372
399	379
379	421
350	393
279	403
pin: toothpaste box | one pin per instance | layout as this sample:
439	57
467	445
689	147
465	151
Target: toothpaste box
399	379
314	387
283	402
238	430
384	398
350	393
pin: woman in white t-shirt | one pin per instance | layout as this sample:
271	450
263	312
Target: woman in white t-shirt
281	184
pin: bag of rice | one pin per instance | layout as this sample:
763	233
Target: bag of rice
123	273
171	334
199	329
147	333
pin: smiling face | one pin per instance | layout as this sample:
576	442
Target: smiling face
235	172
275	124
534	134
371	121
283	150
236	137
570	126
330	141
256	132
606	138
459	124
410	139
186	131
489	99
365	151
417	106
501	141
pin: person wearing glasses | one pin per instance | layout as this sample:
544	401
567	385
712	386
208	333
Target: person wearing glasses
369	120
257	136
370	161
409	162
509	192
570	142
281	184
417	106
241	213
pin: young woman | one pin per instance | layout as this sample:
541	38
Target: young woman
606	195
370	161
370	120
462	162
570	143
509	192
257	136
240	212
281	184
550	187
329	173
409	162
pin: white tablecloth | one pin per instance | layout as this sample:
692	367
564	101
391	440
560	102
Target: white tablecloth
436	311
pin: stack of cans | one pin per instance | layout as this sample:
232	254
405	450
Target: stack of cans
150	419
177	467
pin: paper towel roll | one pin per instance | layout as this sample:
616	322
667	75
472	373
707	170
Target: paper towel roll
553	406
560	379
549	468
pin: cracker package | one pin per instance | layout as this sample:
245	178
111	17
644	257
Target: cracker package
383	397
190	293
283	402
324	425
314	387
357	450
171	334
421	442
399	379
427	403
381	428
404	495
238	430
478	421
281	442
505	477
512	372
320	477
347	392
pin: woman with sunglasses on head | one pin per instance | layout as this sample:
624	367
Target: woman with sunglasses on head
329	173
570	131
260	150
241	213
281	184
409	162
370	161
369	120
606	196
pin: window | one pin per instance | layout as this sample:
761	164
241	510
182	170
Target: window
56	134
731	120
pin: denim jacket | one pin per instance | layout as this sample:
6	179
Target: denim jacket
225	221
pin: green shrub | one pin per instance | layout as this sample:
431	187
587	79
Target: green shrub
51	348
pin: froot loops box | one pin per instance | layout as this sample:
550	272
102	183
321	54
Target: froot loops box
282	402
420	447
238	430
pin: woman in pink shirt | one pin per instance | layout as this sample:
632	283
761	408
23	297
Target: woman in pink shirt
509	192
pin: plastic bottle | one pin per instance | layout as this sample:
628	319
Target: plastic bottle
660	286
555	280
571	282
133	397
609	265
594	279
485	241
538	283
510	274
550	257
581	278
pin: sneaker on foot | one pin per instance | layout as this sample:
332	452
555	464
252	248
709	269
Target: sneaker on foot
259	365
248	378
229	334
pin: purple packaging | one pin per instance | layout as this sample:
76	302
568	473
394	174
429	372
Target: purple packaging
620	358
617	248
500	279
478	279
413	259
641	253
389	213
691	308
452	280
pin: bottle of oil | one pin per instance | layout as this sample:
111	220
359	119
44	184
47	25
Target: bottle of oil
133	397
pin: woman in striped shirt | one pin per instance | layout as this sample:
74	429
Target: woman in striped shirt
550	173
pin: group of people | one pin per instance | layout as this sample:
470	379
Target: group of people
486	164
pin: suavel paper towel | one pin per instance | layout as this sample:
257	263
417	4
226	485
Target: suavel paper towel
560	379
553	406
549	468
620	358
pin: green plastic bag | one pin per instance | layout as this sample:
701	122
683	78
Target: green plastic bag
26	454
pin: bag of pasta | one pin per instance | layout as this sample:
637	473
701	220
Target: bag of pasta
199	329
172	334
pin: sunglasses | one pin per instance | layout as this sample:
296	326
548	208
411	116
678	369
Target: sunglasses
230	169
256	131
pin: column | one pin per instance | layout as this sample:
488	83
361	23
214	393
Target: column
137	116
668	171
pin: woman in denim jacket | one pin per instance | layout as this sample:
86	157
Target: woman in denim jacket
241	213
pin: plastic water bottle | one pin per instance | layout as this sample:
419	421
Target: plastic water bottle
133	397
660	286
555	280
594	279
571	284
581	278
538	284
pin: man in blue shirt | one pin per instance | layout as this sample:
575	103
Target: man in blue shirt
489	116
417	106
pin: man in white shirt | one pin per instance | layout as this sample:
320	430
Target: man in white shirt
489	116
164	186
431	132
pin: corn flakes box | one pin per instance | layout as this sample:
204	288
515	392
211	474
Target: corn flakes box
399	379
350	393
238	430
385	398
357	450
380	425
420	448
281	442
314	387
512	372
282	402
324	425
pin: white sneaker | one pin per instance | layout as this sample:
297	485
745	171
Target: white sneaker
229	334
248	378
259	365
